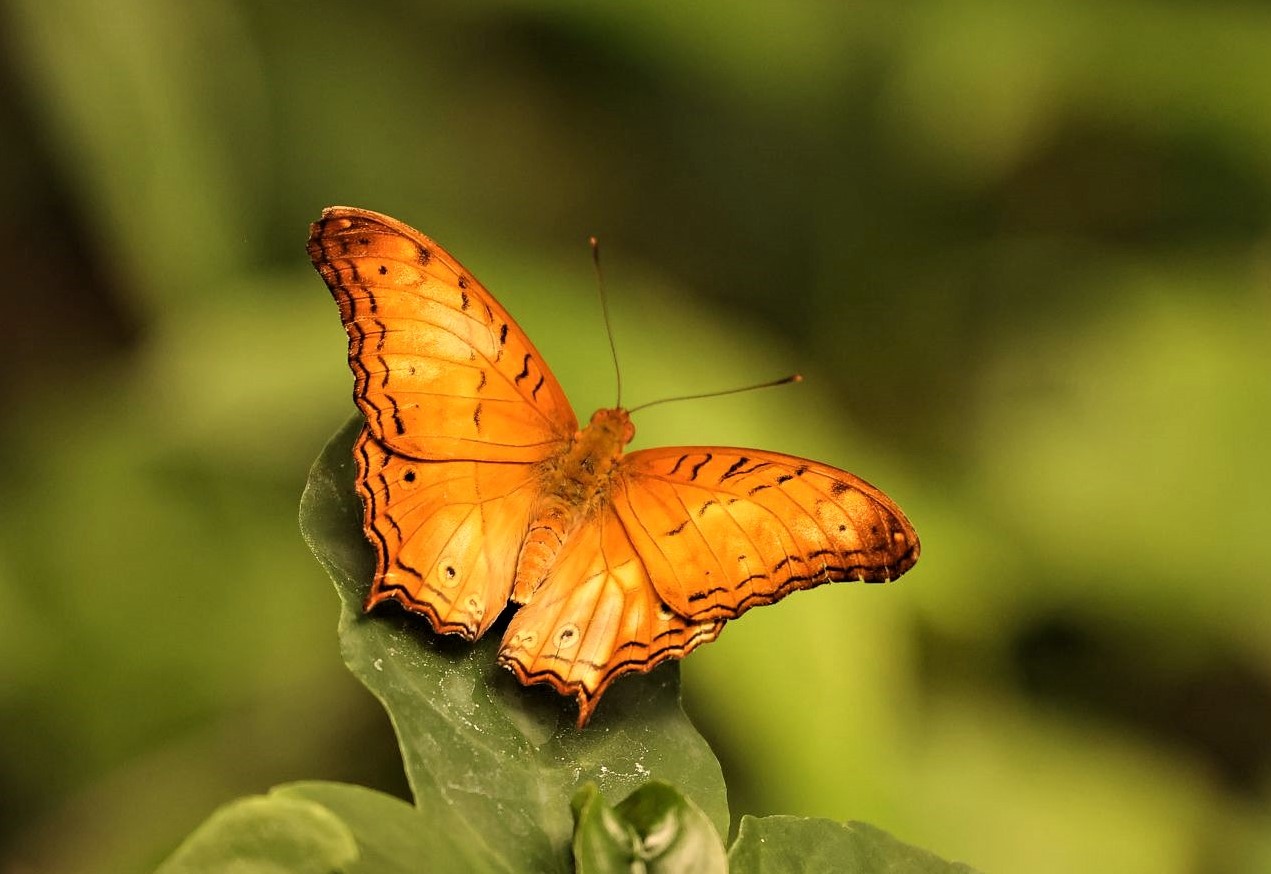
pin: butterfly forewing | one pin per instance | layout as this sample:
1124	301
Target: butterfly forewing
441	370
723	530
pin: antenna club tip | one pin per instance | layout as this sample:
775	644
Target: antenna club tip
798	377
593	242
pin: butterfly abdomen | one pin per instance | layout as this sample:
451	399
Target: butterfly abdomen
574	486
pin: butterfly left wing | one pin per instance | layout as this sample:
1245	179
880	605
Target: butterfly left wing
722	530
596	617
460	409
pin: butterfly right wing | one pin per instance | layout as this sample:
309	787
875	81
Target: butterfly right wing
446	533
441	370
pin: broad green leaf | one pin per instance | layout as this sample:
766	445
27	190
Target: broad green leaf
267	834
792	845
486	758
654	829
393	837
322	827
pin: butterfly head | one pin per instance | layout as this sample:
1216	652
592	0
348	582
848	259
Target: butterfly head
612	426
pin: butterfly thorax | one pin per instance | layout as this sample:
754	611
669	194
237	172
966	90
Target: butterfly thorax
575	484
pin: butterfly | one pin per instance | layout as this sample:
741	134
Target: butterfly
480	488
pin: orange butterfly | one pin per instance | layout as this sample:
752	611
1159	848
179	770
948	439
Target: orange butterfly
480	488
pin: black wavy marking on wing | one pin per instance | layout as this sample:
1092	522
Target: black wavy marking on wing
702	632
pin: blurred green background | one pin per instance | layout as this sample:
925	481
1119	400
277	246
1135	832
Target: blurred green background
1021	252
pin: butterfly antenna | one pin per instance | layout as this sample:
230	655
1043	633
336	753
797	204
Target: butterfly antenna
785	380
604	306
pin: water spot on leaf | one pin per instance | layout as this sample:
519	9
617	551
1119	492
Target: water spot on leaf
459	687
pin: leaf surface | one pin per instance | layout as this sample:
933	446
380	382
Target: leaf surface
795	845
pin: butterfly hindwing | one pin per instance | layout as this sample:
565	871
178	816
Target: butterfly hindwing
441	370
446	534
722	530
596	617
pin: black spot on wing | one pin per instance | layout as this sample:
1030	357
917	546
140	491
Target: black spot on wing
698	467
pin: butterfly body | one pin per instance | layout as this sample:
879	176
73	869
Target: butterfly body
480	489
574	485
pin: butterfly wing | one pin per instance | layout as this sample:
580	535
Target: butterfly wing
722	530
596	617
459	407
442	372
446	533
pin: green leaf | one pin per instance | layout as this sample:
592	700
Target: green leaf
488	760
792	844
654	829
322	827
602	841
266	834
392	836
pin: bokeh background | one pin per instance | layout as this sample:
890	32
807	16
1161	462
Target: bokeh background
1021	252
